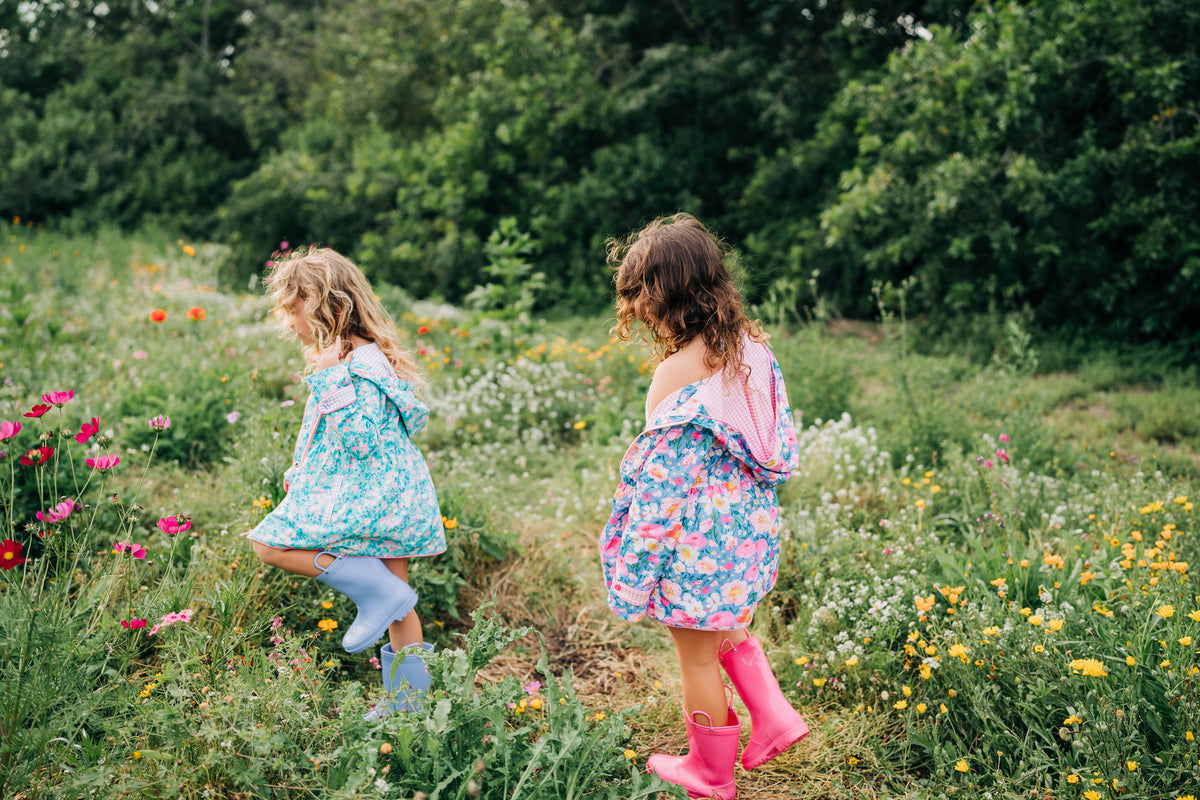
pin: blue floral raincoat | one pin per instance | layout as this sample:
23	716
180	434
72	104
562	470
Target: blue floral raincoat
358	486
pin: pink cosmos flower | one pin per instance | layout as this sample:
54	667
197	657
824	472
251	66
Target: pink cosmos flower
59	398
133	624
988	463
133	548
37	411
140	354
88	430
1004	437
1003	456
161	423
532	687
232	416
174	525
103	463
374	662
58	513
37	456
8	430
171	618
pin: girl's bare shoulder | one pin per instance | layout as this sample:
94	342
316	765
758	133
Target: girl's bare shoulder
682	368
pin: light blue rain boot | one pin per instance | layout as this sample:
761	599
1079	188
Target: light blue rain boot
380	595
405	680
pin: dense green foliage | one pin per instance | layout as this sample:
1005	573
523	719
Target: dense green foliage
1012	156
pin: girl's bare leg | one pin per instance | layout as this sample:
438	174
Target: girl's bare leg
405	631
700	669
299	562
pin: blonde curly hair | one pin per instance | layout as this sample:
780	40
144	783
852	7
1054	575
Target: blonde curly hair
336	300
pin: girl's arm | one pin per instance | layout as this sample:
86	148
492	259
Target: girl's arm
642	531
353	412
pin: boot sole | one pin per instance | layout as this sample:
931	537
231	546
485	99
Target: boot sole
401	612
777	747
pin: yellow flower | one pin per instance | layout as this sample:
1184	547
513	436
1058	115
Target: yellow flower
907	691
1166	612
962	766
926	671
800	662
1166	662
191	251
1131	661
921	707
1026	611
1037	648
942	708
991	631
449	523
958	651
925	603
1090	667
1189	736
819	682
852	761
1035	620
1024	562
1072	778
327	624
632	756
1186	641
137	754
580	425
1085	577
1131	766
600	716
1055	624
853	661
1072	720
325	604
900	705
1091	794
920	504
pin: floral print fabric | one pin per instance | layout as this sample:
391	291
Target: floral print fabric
693	538
358	486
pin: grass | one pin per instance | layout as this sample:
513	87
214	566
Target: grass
944	503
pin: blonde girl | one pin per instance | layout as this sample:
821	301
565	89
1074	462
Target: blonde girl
360	501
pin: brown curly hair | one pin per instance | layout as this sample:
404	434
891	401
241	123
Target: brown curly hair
672	276
336	300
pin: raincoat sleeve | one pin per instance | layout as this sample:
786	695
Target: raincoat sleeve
353	410
641	533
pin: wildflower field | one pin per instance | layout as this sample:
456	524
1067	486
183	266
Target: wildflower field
985	586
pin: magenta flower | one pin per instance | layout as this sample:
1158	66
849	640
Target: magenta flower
58	513
133	624
37	456
988	463
103	463
283	245
88	430
232	416
1003	456
58	398
532	687
174	525
1004	437
8	430
170	619
160	423
37	411
140	354
374	662
133	548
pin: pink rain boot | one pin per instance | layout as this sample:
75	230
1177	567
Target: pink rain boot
707	769
774	724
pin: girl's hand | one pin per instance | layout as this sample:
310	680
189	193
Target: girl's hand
330	356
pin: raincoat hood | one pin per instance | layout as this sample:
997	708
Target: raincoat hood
748	413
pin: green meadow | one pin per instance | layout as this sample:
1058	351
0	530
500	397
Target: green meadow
985	587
